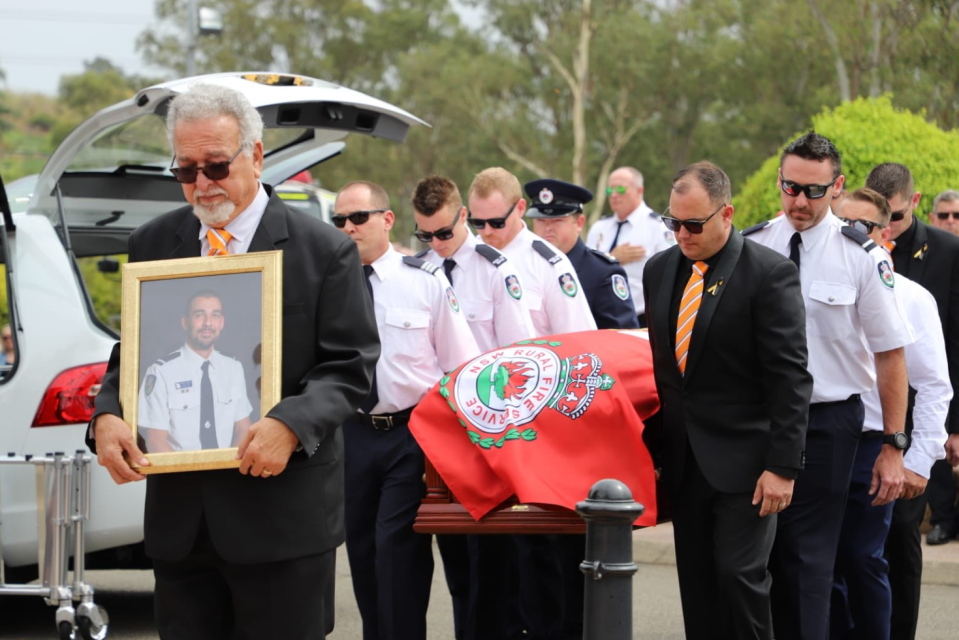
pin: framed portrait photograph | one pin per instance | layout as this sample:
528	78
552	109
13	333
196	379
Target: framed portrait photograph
200	355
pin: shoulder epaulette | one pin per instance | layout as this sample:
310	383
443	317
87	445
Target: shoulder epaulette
756	227
418	263
608	257
491	254
168	357
546	252
858	237
655	214
422	253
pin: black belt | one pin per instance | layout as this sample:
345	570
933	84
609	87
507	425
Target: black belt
853	398
870	433
385	421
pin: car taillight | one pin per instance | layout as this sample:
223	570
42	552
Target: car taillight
69	398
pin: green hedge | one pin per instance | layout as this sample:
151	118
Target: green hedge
867	132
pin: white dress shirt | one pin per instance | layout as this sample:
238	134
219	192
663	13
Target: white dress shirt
170	398
241	227
422	331
643	227
928	375
850	311
490	294
552	291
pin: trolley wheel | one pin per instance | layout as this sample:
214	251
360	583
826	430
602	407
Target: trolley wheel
89	630
65	629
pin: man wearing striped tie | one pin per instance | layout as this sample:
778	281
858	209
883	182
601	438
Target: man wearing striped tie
728	332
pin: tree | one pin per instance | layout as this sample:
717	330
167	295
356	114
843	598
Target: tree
867	132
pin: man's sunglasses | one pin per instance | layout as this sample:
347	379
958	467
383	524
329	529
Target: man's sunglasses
693	226
214	171
444	234
357	217
944	215
621	189
866	226
495	223
812	191
899	215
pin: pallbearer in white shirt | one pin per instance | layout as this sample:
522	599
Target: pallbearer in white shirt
493	299
423	334
851	315
551	287
862	598
633	234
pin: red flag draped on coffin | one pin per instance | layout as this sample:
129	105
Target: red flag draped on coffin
544	419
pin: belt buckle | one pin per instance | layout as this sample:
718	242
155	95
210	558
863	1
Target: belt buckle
382	423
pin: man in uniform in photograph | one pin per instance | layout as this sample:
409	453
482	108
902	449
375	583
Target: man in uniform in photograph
490	293
851	312
253	551
633	234
862	597
195	398
557	305
556	208
945	211
930	258
423	334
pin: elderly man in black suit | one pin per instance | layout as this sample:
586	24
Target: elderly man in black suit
930	257
727	328
251	553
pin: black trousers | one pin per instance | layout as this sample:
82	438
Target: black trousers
807	537
204	597
391	565
942	497
904	554
722	551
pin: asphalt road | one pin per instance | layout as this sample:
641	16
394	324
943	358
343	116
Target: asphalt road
127	595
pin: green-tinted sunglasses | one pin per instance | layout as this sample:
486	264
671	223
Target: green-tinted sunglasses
620	190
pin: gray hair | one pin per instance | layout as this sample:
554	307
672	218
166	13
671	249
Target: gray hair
634	174
949	195
204	101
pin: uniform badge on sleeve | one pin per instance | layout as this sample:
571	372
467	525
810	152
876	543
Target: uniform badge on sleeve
620	287
568	284
149	383
451	298
885	274
512	287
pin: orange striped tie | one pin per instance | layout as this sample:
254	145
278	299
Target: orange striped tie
218	239
688	308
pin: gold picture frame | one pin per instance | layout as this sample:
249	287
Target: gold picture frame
178	405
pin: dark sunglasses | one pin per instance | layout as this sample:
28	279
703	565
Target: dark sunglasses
898	215
693	226
620	190
812	191
214	171
357	217
495	223
445	233
866	226
944	215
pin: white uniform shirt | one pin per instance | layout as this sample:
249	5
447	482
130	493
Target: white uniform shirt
423	333
241	227
556	300
643	227
851	308
928	375
490	294
170	398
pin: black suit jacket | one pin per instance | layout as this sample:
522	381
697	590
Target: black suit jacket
932	260
743	405
330	347
596	272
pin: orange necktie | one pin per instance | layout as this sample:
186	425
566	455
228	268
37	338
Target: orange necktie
218	239
688	308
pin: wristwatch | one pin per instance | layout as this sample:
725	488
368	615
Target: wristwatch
899	440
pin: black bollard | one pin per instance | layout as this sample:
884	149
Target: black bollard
609	512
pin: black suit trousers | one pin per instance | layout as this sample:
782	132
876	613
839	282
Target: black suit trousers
204	597
722	551
904	554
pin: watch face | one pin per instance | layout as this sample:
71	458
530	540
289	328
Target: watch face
902	441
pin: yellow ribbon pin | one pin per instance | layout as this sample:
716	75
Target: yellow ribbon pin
921	254
712	289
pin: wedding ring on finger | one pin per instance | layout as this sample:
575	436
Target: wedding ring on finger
782	505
